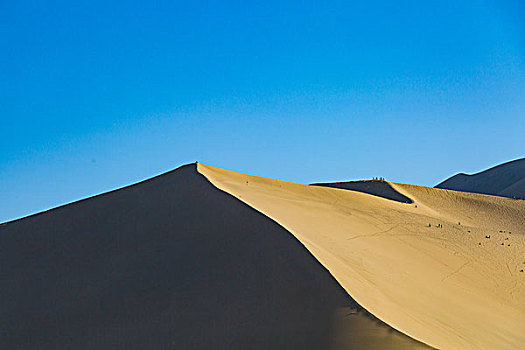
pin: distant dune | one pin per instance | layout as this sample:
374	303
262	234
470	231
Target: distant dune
205	258
506	180
378	188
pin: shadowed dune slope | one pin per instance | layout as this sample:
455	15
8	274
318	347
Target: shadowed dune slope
373	187
446	270
506	180
172	262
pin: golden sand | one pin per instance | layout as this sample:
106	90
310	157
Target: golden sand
445	285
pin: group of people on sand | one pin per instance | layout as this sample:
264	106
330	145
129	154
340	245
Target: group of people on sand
378	178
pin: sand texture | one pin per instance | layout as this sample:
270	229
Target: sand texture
454	285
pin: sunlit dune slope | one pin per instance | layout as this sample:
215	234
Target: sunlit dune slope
426	268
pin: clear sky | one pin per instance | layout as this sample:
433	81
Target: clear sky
102	94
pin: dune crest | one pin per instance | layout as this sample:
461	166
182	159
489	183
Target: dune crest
426	268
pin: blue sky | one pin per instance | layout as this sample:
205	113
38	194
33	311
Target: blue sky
99	95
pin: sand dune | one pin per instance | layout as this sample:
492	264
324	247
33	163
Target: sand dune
378	188
446	285
173	263
506	180
202	257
